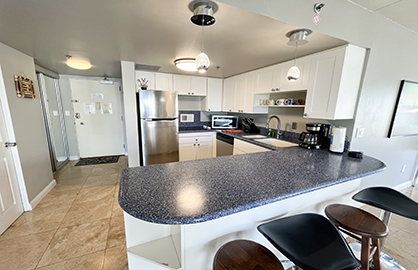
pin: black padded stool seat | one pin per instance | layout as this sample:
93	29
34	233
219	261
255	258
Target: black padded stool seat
245	255
311	242
390	200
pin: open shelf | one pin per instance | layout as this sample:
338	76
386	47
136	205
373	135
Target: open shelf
160	254
282	106
282	91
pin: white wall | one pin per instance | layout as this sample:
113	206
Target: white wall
393	57
27	122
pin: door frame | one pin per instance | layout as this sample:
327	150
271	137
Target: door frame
14	150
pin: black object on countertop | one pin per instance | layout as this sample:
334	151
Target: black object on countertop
311	242
390	200
248	126
355	154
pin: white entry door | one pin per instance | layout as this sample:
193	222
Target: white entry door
10	201
98	118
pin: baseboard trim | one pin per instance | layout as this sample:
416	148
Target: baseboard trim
404	185
74	157
43	193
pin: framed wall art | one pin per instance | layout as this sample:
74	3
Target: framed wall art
24	87
405	116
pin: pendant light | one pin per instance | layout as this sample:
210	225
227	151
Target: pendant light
296	37
202	60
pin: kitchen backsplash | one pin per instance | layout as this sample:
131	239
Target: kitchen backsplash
192	118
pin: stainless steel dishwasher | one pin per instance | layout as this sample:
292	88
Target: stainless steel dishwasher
224	145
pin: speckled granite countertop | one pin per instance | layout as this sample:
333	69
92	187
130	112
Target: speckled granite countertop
200	190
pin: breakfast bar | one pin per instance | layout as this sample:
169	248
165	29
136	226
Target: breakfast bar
178	214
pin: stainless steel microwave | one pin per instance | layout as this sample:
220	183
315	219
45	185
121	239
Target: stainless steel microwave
224	122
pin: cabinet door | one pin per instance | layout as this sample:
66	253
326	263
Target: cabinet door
228	104
240	93
303	64
150	76
238	152
163	81
187	151
181	84
204	150
213	100
324	80
198	86
264	80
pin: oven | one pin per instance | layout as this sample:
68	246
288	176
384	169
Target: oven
224	145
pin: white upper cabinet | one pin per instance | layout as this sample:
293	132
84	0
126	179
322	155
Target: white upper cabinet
228	103
213	100
264	80
189	85
334	83
164	81
241	93
150	76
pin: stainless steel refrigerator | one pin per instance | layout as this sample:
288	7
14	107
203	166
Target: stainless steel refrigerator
158	126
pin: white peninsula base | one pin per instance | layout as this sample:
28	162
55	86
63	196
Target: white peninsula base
154	246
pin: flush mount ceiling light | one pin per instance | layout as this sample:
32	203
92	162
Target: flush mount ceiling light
187	64
80	64
296	37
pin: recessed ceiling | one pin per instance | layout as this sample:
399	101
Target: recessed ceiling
146	32
403	12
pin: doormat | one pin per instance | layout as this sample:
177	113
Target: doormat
97	160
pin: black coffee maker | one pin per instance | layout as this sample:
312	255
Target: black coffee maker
318	136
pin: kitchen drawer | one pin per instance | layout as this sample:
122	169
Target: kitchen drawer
193	137
248	147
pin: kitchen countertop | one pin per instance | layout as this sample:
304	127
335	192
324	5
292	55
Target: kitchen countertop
200	190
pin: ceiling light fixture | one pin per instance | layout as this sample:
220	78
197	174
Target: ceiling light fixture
296	37
186	64
80	64
203	16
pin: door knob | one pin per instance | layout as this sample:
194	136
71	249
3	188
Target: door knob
10	144
82	123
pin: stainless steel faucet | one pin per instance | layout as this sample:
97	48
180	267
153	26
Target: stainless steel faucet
279	134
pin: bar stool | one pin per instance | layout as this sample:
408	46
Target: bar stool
354	221
311	242
390	201
243	255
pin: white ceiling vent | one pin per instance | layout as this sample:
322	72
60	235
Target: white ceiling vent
146	67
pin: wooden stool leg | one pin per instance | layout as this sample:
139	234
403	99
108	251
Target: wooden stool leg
376	255
365	253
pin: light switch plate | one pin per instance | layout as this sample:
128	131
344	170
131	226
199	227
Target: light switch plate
360	132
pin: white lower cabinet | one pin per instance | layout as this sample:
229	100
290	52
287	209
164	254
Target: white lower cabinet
196	146
241	147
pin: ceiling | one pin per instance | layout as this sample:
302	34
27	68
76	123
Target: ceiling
146	32
403	12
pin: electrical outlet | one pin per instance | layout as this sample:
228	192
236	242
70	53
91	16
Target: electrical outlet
360	132
403	168
294	125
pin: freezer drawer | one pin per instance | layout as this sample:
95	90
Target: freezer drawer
160	143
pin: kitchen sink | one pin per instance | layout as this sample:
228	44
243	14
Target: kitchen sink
254	136
276	142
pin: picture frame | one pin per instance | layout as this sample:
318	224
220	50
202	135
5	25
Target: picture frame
405	116
24	87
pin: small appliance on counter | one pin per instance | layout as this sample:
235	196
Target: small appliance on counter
224	122
248	126
316	137
337	139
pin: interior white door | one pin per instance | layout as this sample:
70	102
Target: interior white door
10	201
98	118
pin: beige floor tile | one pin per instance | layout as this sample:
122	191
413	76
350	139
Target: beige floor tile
408	264
105	169
412	228
85	212
24	252
402	243
116	232
91	193
116	209
70	183
41	219
102	180
75	172
92	261
397	223
76	241
116	259
59	197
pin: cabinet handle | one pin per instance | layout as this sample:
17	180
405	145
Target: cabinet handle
188	93
208	110
272	89
305	114
192	93
277	89
229	109
194	144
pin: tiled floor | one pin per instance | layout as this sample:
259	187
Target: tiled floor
78	225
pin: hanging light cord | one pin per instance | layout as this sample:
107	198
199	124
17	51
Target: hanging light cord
203	26
296	51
